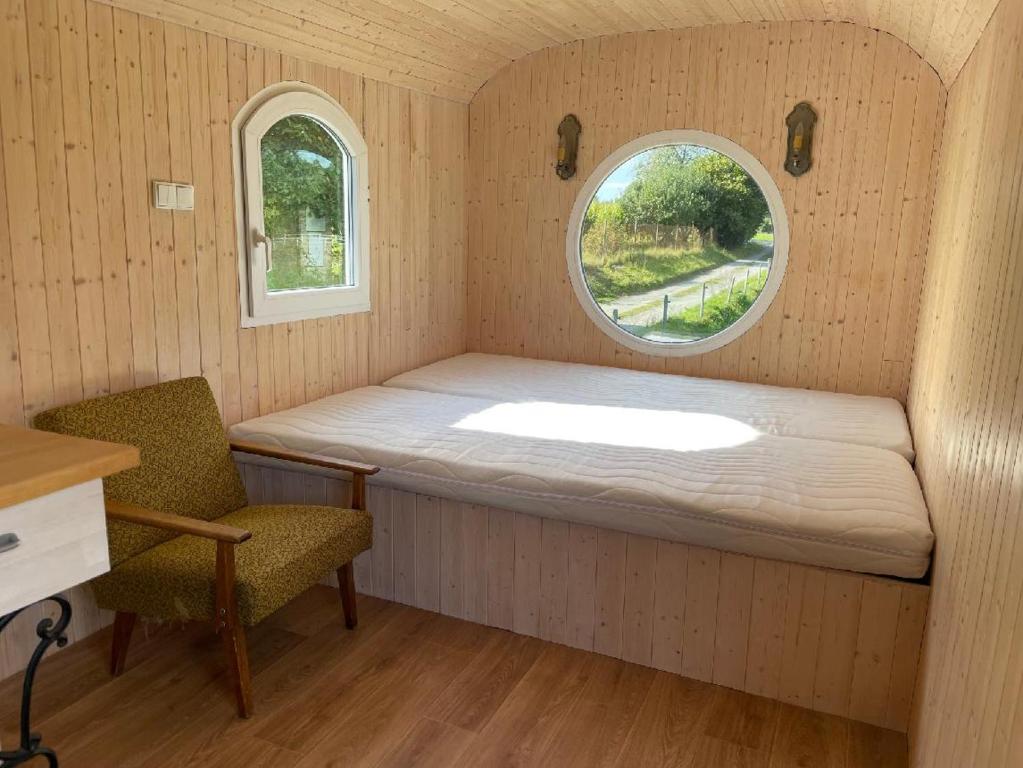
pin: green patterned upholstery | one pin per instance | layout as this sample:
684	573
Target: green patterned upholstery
292	547
186	467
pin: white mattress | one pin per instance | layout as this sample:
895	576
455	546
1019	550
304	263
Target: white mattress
877	421
699	478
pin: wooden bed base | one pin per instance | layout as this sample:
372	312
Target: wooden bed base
832	641
837	642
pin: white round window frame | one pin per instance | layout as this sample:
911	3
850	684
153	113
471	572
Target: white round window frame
779	261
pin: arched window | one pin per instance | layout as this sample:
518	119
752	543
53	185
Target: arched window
303	207
677	243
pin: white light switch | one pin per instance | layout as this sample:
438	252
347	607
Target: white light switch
174	197
185	197
164	195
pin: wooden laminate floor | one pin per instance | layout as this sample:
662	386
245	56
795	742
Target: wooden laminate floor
411	688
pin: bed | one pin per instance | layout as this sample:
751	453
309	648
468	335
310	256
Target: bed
790	475
783	411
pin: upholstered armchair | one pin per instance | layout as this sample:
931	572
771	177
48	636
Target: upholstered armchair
184	544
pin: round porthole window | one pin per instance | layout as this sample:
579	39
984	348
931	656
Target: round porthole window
677	243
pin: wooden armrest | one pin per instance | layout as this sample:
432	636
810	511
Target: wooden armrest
129	513
272	452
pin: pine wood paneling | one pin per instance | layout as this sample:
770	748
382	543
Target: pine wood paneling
966	408
845	318
101	292
850	645
452	48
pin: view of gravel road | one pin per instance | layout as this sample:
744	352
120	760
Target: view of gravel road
645	309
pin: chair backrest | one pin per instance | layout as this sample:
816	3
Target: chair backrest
186	465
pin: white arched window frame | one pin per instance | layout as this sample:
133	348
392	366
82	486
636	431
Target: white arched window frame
779	218
258	305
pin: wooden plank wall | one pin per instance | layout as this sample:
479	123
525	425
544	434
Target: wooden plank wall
100	292
846	316
966	408
832	641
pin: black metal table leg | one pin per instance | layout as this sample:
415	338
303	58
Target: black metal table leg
49	632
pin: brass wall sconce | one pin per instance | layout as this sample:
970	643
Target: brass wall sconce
799	155
568	146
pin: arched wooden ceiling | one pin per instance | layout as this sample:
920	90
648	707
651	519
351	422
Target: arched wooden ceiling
451	47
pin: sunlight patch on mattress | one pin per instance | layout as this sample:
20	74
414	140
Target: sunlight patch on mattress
609	425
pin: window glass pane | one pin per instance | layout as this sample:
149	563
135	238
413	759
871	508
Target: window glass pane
677	244
304	206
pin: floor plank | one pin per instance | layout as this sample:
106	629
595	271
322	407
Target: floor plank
471	700
60	683
383	706
871	747
668	722
430	744
525	725
217	731
599	722
745	720
412	688
809	739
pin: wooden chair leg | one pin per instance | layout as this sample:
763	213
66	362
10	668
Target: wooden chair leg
238	667
124	623
346	586
230	628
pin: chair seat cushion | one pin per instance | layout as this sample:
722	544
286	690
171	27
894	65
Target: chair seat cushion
292	547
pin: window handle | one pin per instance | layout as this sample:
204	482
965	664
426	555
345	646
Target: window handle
258	238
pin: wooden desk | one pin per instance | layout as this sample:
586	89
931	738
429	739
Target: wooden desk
34	463
51	498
